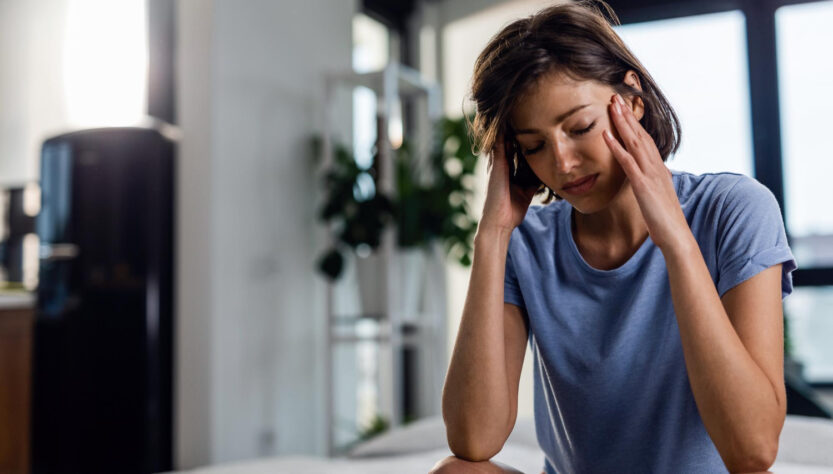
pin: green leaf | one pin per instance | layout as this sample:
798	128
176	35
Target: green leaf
331	264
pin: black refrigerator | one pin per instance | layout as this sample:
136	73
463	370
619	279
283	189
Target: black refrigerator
103	365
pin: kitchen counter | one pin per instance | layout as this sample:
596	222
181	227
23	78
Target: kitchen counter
16	299
17	314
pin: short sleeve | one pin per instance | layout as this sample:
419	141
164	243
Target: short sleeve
511	288
751	237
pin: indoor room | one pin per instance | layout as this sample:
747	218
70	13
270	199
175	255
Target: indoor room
325	236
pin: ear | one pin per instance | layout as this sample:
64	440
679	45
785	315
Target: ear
637	106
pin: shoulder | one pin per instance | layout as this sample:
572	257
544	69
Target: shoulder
722	191
539	227
733	209
540	221
711	185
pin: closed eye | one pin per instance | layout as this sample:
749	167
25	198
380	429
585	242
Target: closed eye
585	130
530	151
536	149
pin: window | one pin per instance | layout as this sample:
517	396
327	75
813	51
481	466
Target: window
806	121
699	62
805	104
732	56
371	51
810	329
111	91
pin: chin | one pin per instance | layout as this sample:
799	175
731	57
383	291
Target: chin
592	203
587	208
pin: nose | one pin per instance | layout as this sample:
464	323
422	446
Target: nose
564	156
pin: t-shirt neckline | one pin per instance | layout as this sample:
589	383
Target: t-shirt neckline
628	267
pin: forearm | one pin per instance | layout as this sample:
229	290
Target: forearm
739	405
476	397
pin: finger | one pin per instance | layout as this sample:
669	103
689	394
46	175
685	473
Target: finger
498	149
647	156
625	159
627	112
623	127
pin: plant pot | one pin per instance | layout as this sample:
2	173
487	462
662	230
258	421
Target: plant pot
411	283
370	275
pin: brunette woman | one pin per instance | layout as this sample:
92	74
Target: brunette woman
650	298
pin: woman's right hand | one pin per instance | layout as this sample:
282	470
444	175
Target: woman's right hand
506	201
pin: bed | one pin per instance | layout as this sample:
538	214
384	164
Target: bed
806	446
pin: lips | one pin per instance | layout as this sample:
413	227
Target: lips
579	182
582	186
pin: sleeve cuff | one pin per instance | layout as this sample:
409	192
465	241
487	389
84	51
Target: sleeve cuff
746	269
513	296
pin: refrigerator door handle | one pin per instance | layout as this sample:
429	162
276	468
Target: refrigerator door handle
55	252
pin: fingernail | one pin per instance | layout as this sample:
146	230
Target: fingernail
616	107
620	99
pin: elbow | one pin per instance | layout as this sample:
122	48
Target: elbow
470	435
471	449
473	442
757	458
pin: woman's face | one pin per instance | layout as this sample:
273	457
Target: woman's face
558	124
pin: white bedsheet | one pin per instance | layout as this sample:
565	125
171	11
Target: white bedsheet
806	447
520	457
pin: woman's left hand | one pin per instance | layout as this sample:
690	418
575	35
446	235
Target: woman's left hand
650	178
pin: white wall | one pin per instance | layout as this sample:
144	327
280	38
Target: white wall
195	241
251	321
31	89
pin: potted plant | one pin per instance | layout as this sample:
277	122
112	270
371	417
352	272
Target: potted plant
358	216
431	202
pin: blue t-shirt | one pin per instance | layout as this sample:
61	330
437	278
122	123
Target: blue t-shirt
611	389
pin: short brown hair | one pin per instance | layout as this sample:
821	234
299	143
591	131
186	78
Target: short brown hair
576	39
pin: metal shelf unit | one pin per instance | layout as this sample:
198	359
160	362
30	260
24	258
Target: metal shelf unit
424	331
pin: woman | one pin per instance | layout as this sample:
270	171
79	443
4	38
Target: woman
650	298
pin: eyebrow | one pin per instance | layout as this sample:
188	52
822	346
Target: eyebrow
558	119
